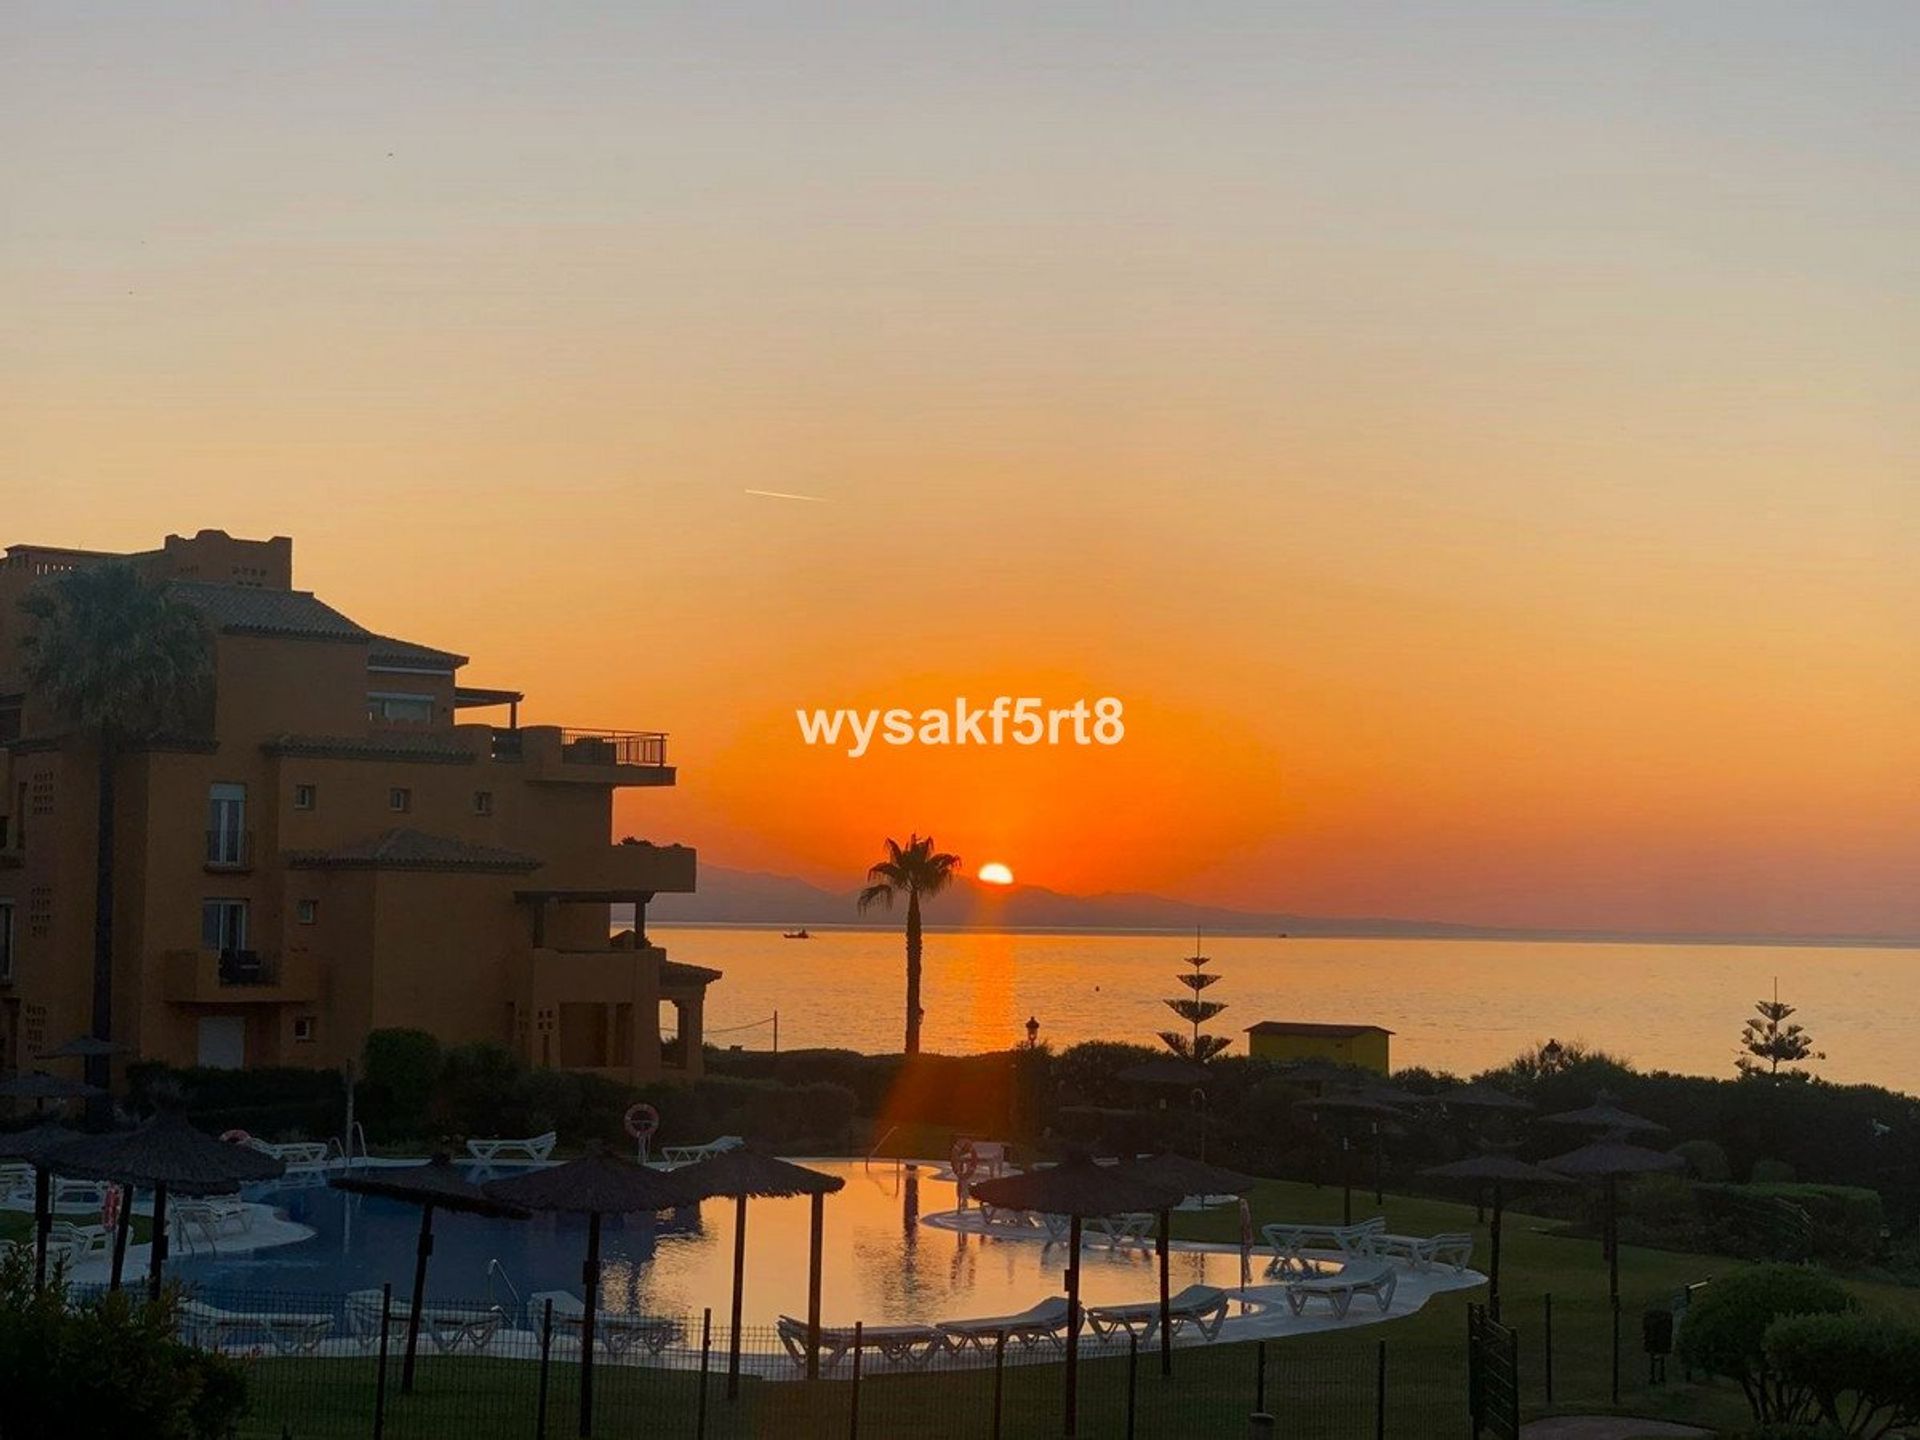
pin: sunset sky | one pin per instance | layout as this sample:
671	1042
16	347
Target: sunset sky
1477	442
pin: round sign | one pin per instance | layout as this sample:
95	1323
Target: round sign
642	1120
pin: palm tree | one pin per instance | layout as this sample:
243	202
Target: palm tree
913	870
118	661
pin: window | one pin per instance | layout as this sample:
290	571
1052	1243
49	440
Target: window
40	911
303	1029
223	925
304	797
483	802
400	709
307	911
6	941
227	825
400	800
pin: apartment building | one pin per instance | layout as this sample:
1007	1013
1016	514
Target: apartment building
351	839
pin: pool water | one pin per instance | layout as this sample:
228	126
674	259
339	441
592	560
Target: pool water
882	1264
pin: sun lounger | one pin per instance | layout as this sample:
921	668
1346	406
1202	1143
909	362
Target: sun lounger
447	1326
214	1216
78	1194
617	1332
1202	1306
16	1181
1039	1325
79	1243
292	1152
290	1333
1423	1252
1339	1290
1290	1243
687	1154
910	1346
534	1147
1133	1228
999	1217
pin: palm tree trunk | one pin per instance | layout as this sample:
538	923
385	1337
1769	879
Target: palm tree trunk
98	1069
913	973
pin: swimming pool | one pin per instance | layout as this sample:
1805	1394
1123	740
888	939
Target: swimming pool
882	1263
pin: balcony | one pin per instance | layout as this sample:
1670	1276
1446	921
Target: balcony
240	977
617	873
557	755
229	850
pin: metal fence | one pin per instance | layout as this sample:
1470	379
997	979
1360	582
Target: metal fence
325	1366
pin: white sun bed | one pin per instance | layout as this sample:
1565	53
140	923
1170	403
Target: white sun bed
1133	1228
1422	1252
1202	1306
79	1243
78	1194
213	1216
909	1346
617	1332
1339	1290
289	1333
687	1154
533	1147
16	1182
1290	1243
1036	1326
447	1326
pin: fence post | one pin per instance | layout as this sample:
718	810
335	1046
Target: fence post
853	1418
1616	1350
1133	1376
1380	1393
706	1357
999	1379
1546	1346
1260	1376
546	1363
380	1384
1260	1426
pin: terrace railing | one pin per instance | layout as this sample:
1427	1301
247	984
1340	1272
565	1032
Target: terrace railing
613	747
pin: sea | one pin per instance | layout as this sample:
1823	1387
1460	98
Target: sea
1455	1005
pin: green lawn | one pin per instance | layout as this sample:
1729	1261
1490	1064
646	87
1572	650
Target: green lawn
1320	1386
14	1225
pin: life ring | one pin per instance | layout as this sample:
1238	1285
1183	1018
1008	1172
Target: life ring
110	1207
641	1120
236	1137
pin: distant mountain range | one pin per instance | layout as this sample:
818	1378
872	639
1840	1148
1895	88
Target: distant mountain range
748	897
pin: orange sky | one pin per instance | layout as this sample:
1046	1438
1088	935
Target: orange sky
1479	451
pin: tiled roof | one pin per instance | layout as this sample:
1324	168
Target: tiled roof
402	849
246	610
429	748
676	970
404	653
1306	1027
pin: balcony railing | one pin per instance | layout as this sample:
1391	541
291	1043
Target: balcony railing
613	747
229	849
248	967
507	745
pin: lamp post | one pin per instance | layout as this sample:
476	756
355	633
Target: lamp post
1033	1032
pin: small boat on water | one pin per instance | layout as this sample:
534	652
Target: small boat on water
795	935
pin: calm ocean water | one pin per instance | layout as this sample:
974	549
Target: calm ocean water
1457	1005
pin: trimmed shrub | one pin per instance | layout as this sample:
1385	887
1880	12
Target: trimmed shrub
1863	1371
1726	1327
401	1071
479	1090
791	1116
1848	1221
1706	1160
279	1101
1771	1172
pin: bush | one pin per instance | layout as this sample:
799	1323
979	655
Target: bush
396	1095
1848	1221
283	1101
1725	1331
1863	1371
794	1116
1706	1160
107	1368
480	1087
1771	1172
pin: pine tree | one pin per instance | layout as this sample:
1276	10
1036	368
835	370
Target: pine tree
1195	1046
1774	1037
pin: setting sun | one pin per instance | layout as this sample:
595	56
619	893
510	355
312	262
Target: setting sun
994	873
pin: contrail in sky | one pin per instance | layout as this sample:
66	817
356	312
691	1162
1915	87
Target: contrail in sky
786	495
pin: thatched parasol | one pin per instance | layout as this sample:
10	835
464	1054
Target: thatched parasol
1078	1189
1349	1106
164	1154
1603	1114
436	1185
36	1147
1499	1171
744	1174
595	1186
1190	1177
1606	1161
1480	1097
